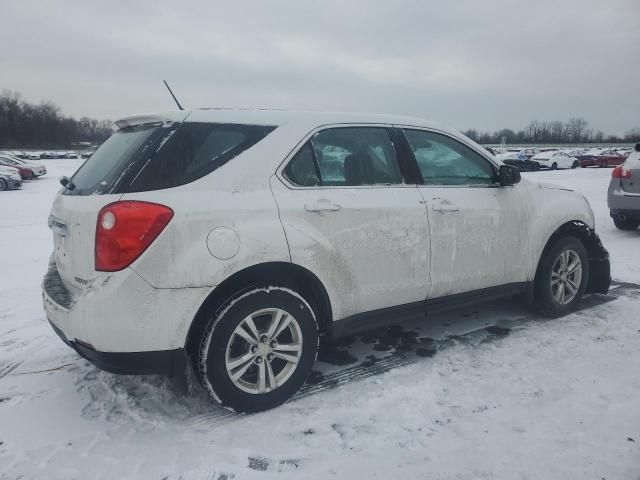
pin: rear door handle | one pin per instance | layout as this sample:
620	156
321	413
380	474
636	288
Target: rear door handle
322	205
443	205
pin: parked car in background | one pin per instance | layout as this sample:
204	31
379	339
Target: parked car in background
608	158
553	159
232	240
530	152
35	155
72	155
518	160
10	178
623	198
25	172
37	169
87	154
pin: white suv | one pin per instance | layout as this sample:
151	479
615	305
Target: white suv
230	241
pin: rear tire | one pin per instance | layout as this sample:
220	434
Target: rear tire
575	164
626	224
562	277
258	349
3	185
554	166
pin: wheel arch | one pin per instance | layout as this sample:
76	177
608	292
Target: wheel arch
284	274
599	268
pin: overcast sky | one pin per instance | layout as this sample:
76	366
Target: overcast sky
465	63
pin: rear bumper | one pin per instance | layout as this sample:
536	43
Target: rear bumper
119	319
630	214
163	362
617	200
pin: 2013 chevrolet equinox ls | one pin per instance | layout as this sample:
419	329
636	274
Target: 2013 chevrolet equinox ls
229	241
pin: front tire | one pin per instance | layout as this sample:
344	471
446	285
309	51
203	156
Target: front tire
562	277
258	349
3	185
554	166
574	164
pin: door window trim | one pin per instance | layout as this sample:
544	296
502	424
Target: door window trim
403	157
412	158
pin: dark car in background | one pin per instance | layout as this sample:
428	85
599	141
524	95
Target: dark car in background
623	197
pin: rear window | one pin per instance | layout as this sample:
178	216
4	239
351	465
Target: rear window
162	155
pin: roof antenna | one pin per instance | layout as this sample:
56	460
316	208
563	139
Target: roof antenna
174	97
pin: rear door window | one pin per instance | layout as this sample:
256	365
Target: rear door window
157	156
346	156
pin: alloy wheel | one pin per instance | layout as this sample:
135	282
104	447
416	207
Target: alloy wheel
566	277
263	351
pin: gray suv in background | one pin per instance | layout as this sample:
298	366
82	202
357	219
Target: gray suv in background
624	192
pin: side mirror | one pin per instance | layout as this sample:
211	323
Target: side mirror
508	175
64	181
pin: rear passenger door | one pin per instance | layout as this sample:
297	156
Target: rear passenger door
352	219
478	230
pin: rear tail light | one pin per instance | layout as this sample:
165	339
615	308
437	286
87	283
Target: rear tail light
125	230
621	172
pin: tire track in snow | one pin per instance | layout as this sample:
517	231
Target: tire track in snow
366	368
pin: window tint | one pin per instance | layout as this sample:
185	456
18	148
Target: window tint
156	156
193	151
302	169
352	156
114	156
444	161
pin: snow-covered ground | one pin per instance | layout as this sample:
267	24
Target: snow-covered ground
549	400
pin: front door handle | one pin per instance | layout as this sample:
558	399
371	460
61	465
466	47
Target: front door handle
322	205
444	205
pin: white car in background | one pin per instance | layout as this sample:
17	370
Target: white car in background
554	159
230	241
34	170
37	169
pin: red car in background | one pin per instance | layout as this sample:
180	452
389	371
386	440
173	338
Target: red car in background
25	173
606	158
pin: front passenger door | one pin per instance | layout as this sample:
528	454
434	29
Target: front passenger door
478	230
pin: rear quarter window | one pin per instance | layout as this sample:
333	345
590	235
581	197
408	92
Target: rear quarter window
158	156
193	151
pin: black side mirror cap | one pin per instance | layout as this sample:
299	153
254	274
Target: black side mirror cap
508	175
64	181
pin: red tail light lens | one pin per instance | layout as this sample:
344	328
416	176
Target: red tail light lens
125	230
621	172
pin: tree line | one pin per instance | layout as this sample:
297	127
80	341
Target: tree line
42	126
27	125
575	130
